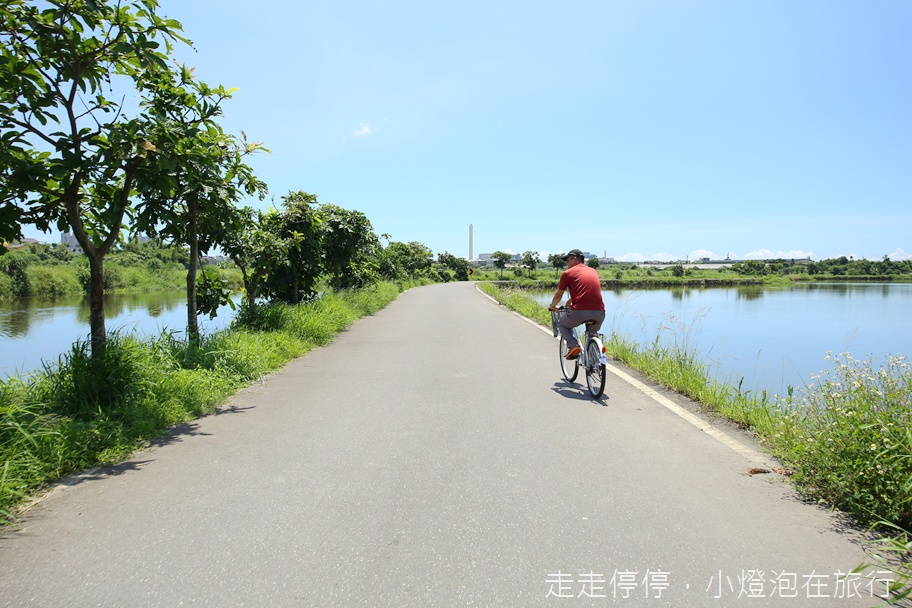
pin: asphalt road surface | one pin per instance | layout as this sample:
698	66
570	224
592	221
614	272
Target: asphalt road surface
433	456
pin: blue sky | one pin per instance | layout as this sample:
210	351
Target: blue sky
640	130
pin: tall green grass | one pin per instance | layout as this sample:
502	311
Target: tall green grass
78	412
48	281
846	437
518	300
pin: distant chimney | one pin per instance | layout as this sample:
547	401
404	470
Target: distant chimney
471	255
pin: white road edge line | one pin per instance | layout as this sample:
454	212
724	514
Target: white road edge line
746	452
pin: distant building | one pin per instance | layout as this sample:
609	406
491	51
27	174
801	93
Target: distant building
70	241
18	244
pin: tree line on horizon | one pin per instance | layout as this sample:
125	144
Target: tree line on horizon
841	266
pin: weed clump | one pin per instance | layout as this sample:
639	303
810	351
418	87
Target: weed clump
848	435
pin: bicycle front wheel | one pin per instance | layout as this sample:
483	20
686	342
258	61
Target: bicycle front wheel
571	367
595	369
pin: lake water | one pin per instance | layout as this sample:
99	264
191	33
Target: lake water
772	338
33	330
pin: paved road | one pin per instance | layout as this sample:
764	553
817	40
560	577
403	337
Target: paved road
432	456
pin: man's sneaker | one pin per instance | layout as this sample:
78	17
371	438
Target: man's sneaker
573	353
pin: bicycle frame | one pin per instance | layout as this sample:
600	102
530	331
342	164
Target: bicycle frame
584	338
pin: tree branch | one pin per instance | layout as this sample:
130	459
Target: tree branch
32	129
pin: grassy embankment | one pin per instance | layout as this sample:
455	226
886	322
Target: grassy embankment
71	415
846	437
45	272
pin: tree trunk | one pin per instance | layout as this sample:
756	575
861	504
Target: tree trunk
95	256
96	304
193	239
252	289
114	216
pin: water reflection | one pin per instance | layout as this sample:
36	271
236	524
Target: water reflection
15	323
749	292
33	330
771	338
848	288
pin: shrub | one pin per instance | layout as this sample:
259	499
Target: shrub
6	287
53	281
15	266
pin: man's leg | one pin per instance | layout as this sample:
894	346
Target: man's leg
569	320
572	318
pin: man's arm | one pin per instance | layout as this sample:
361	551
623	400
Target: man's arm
556	299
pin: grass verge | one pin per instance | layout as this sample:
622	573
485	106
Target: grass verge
77	413
847	436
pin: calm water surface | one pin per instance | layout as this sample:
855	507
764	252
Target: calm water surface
32	331
772	338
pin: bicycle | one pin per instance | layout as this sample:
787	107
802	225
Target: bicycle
592	358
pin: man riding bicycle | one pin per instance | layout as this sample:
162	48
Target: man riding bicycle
585	302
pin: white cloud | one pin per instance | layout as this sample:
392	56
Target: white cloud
704	253
760	254
766	254
363	130
900	256
655	257
664	257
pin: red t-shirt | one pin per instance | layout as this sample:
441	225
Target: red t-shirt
585	287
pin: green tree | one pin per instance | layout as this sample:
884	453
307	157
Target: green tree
592	262
446	259
500	260
459	266
530	260
677	270
294	276
350	247
251	239
750	268
557	262
69	154
197	176
400	260
14	265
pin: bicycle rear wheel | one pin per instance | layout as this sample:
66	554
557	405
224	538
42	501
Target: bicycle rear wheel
595	369
570	368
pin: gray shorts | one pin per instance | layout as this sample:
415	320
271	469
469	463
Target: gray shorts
571	318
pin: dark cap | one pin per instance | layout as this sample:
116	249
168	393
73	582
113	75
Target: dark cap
573	252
